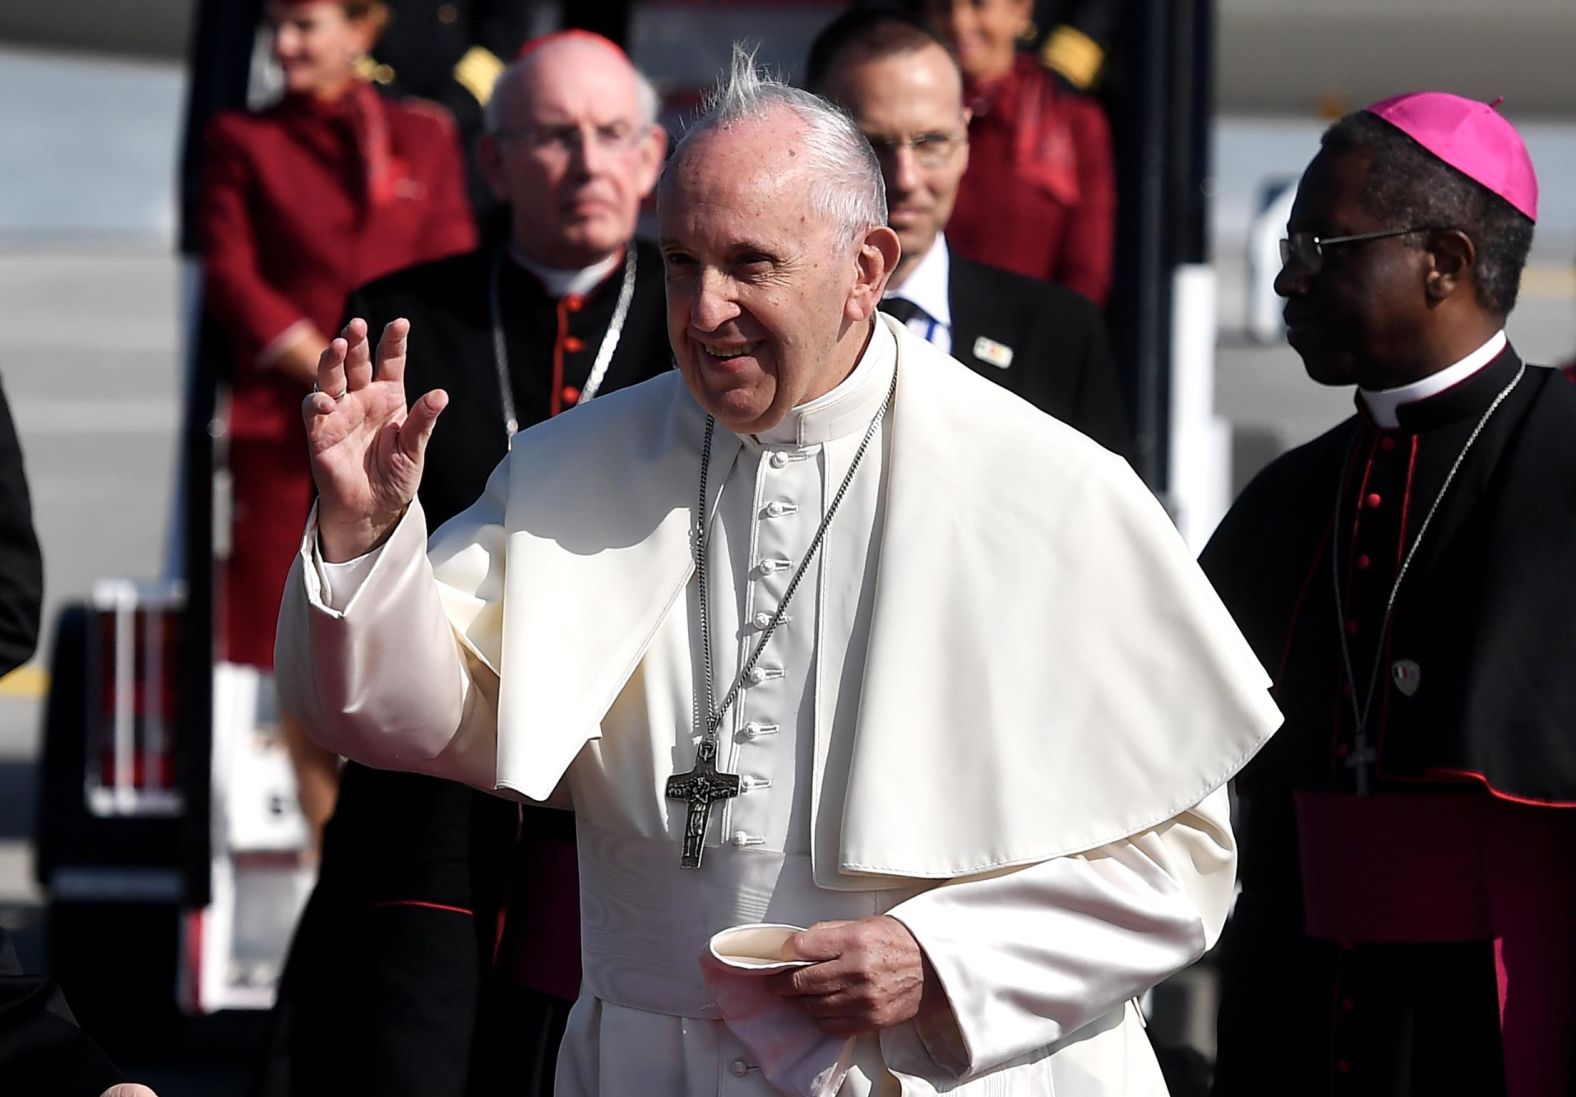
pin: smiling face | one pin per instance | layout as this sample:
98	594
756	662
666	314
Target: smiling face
317	45
984	32
1360	319
572	154
895	100
769	303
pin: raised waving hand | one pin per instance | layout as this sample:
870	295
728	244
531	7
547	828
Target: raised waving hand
366	449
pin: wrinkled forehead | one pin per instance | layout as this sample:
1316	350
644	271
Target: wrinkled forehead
756	162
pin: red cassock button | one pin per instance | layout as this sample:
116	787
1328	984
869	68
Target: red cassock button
1343	1066
1364	562
1348	1005
571	394
573	344
1351	627
1342	750
574	302
1373	500
1386	443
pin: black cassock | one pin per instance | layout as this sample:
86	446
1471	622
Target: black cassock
1379	938
404	978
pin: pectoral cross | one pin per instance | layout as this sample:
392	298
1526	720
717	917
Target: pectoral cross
1361	757
701	787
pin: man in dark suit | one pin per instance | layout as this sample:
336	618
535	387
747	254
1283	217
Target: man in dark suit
902	84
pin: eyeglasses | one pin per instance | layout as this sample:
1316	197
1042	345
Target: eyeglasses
565	140
931	150
1308	247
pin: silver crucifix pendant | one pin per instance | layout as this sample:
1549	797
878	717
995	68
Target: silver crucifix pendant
701	787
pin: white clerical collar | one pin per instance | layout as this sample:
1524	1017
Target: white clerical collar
564	283
1382	403
849	407
926	283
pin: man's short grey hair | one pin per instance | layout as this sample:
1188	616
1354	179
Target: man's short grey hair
844	175
496	109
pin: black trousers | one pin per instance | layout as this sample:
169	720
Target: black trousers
389	987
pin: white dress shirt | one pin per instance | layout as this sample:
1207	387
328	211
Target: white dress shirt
926	286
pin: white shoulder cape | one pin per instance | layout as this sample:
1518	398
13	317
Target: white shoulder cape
1048	670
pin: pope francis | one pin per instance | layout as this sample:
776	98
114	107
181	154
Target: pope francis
820	634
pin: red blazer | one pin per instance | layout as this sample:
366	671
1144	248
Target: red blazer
306	201
1039	195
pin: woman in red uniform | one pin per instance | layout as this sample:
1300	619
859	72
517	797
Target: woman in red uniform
301	203
1039	195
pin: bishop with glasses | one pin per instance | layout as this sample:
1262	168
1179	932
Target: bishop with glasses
1406	920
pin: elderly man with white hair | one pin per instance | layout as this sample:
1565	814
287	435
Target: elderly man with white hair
894	699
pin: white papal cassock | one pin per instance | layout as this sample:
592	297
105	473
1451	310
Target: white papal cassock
1002	709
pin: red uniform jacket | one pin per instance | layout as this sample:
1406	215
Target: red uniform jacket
306	201
301	204
1039	195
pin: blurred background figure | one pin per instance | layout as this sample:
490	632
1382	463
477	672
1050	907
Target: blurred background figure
444	919
1039	196
282	189
451	52
21	567
902	85
1075	37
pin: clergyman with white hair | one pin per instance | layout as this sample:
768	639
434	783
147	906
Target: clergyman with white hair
894	715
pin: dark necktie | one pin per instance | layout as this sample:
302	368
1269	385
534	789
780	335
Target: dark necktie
904	309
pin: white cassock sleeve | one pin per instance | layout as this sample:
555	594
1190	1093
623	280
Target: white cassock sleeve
1030	956
403	675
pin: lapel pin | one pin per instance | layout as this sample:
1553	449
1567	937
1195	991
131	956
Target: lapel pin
1406	675
993	353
